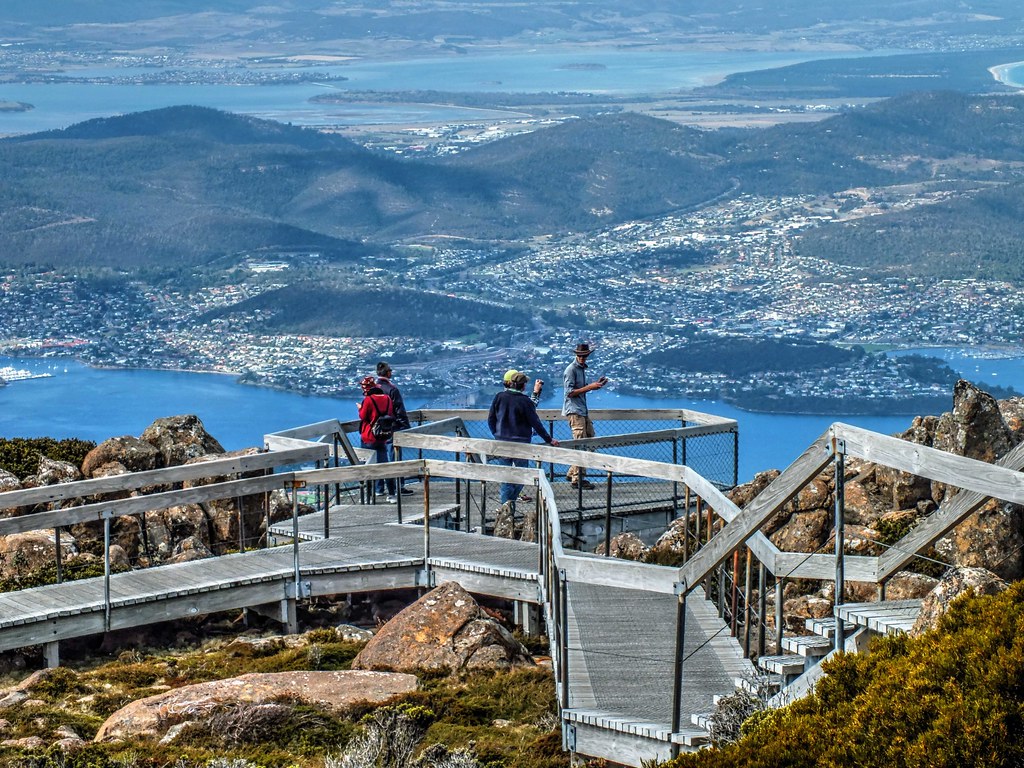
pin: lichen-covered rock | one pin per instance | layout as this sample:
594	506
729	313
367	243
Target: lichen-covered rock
991	538
166	528
180	438
905	585
52	472
8	482
444	630
956	582
133	454
152	717
805	532
674	539
190	549
627	546
22	553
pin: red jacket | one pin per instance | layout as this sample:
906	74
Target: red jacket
372	407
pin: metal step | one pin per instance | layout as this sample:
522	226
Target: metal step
702	720
808	646
759	685
822	627
786	665
692	737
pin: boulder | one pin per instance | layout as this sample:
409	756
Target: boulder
905	585
504	521
956	582
8	482
444	630
674	539
180	438
52	472
805	532
233	518
151	718
190	549
133	454
22	553
167	528
627	546
990	538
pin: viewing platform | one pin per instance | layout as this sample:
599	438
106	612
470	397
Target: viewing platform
640	651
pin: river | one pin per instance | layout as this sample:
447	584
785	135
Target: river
95	404
57	105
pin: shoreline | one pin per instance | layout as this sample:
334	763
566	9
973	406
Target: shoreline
1001	72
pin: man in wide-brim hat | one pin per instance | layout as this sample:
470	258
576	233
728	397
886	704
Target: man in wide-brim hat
574	407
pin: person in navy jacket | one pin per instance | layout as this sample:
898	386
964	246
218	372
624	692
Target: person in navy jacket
513	417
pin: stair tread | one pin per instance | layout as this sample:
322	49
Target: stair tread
786	664
807	645
756	685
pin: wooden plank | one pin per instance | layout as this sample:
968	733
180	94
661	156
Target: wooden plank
496	586
620	747
757	512
311	431
442	427
623	574
799	565
958	471
937	524
138	504
156	477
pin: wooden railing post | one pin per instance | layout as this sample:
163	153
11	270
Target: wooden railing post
840	506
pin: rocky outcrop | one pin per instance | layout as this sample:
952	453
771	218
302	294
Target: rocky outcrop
8	482
627	546
882	505
444	630
52	472
956	582
133	454
151	718
22	553
180	438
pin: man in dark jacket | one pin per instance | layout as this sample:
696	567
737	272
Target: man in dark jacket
513	417
401	417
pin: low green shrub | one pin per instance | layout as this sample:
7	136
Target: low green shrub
20	455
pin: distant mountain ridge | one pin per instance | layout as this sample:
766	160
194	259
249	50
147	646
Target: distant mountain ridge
185	185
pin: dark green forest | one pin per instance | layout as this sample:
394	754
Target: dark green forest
313	308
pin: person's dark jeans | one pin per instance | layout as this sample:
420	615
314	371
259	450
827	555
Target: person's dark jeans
381	457
391	457
510	491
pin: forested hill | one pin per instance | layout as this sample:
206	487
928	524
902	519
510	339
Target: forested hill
186	185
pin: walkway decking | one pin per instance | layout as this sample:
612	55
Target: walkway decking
620	648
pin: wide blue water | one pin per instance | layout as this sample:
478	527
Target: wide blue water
94	404
605	71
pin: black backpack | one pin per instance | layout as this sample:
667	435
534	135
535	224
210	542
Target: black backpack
384	425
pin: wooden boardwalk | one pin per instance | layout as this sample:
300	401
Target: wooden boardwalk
620	652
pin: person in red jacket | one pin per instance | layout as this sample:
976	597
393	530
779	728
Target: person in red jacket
376	404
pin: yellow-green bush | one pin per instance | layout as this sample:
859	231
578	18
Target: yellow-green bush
953	697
